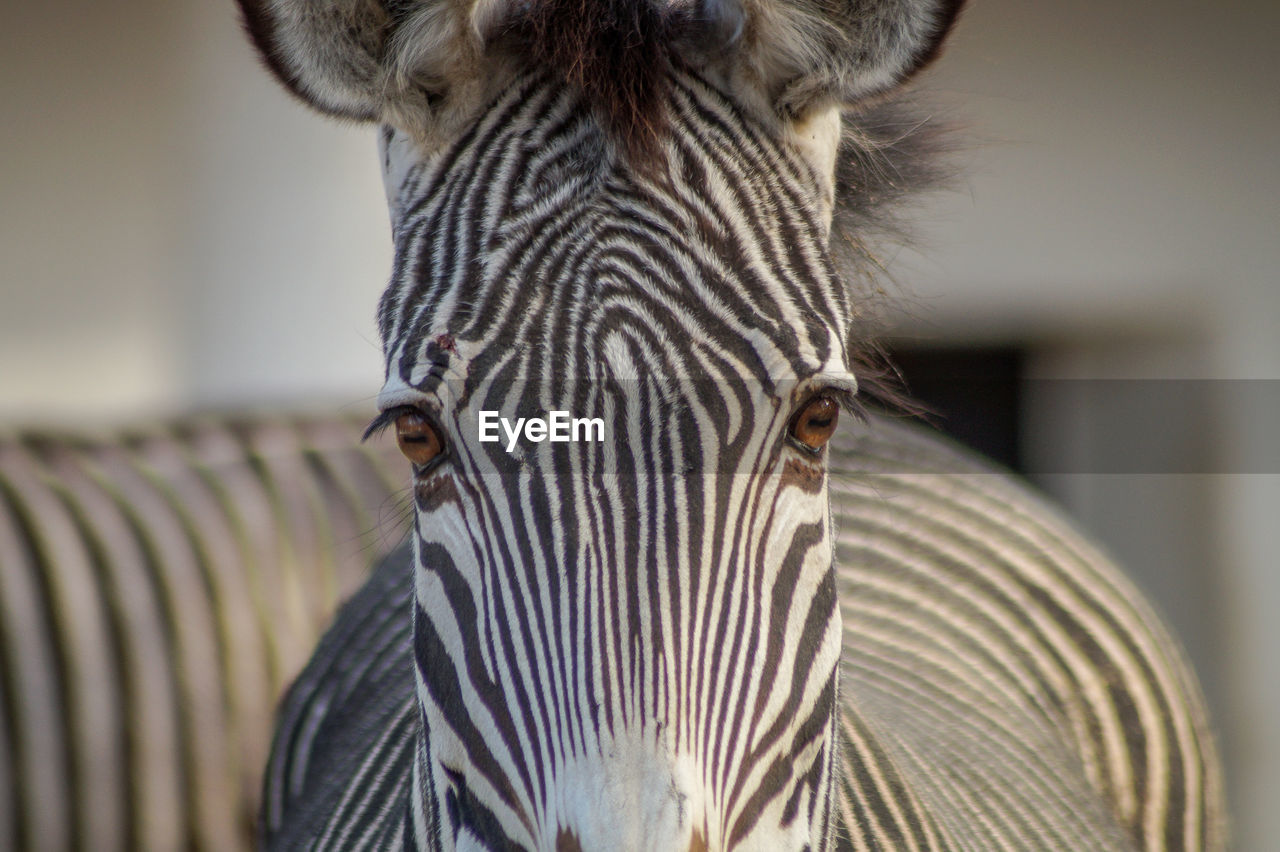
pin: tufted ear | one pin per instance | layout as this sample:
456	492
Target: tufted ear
809	54
401	62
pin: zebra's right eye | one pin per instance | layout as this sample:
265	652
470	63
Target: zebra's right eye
814	425
418	439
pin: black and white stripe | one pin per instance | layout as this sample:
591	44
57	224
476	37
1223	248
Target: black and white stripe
1066	714
663	600
988	674
158	588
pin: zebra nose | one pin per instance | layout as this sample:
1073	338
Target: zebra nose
567	841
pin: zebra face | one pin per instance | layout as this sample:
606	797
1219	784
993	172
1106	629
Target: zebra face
615	211
627	641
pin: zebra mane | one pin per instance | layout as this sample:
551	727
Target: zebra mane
889	155
618	53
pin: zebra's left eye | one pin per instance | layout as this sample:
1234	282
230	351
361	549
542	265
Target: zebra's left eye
814	425
417	438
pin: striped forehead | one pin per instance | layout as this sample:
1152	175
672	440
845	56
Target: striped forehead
531	235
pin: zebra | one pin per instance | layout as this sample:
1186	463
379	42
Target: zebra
159	587
719	627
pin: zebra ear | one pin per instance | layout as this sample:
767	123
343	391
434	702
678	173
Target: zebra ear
329	54
392	61
814	53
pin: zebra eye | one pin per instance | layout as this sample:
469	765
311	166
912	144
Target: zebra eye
816	422
417	438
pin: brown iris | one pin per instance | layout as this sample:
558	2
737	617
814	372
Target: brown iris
816	422
417	438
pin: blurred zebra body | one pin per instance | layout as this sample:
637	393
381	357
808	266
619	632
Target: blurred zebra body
158	589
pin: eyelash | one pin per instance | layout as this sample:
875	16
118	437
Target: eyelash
382	422
386	419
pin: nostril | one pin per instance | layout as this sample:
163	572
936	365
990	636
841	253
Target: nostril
567	841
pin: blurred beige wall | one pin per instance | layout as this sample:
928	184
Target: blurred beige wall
89	204
1121	217
175	232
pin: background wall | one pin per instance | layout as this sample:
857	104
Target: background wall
177	233
174	232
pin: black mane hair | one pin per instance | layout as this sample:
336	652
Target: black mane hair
617	52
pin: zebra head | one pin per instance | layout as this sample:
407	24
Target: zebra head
611	223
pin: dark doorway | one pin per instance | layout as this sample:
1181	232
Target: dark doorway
972	394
